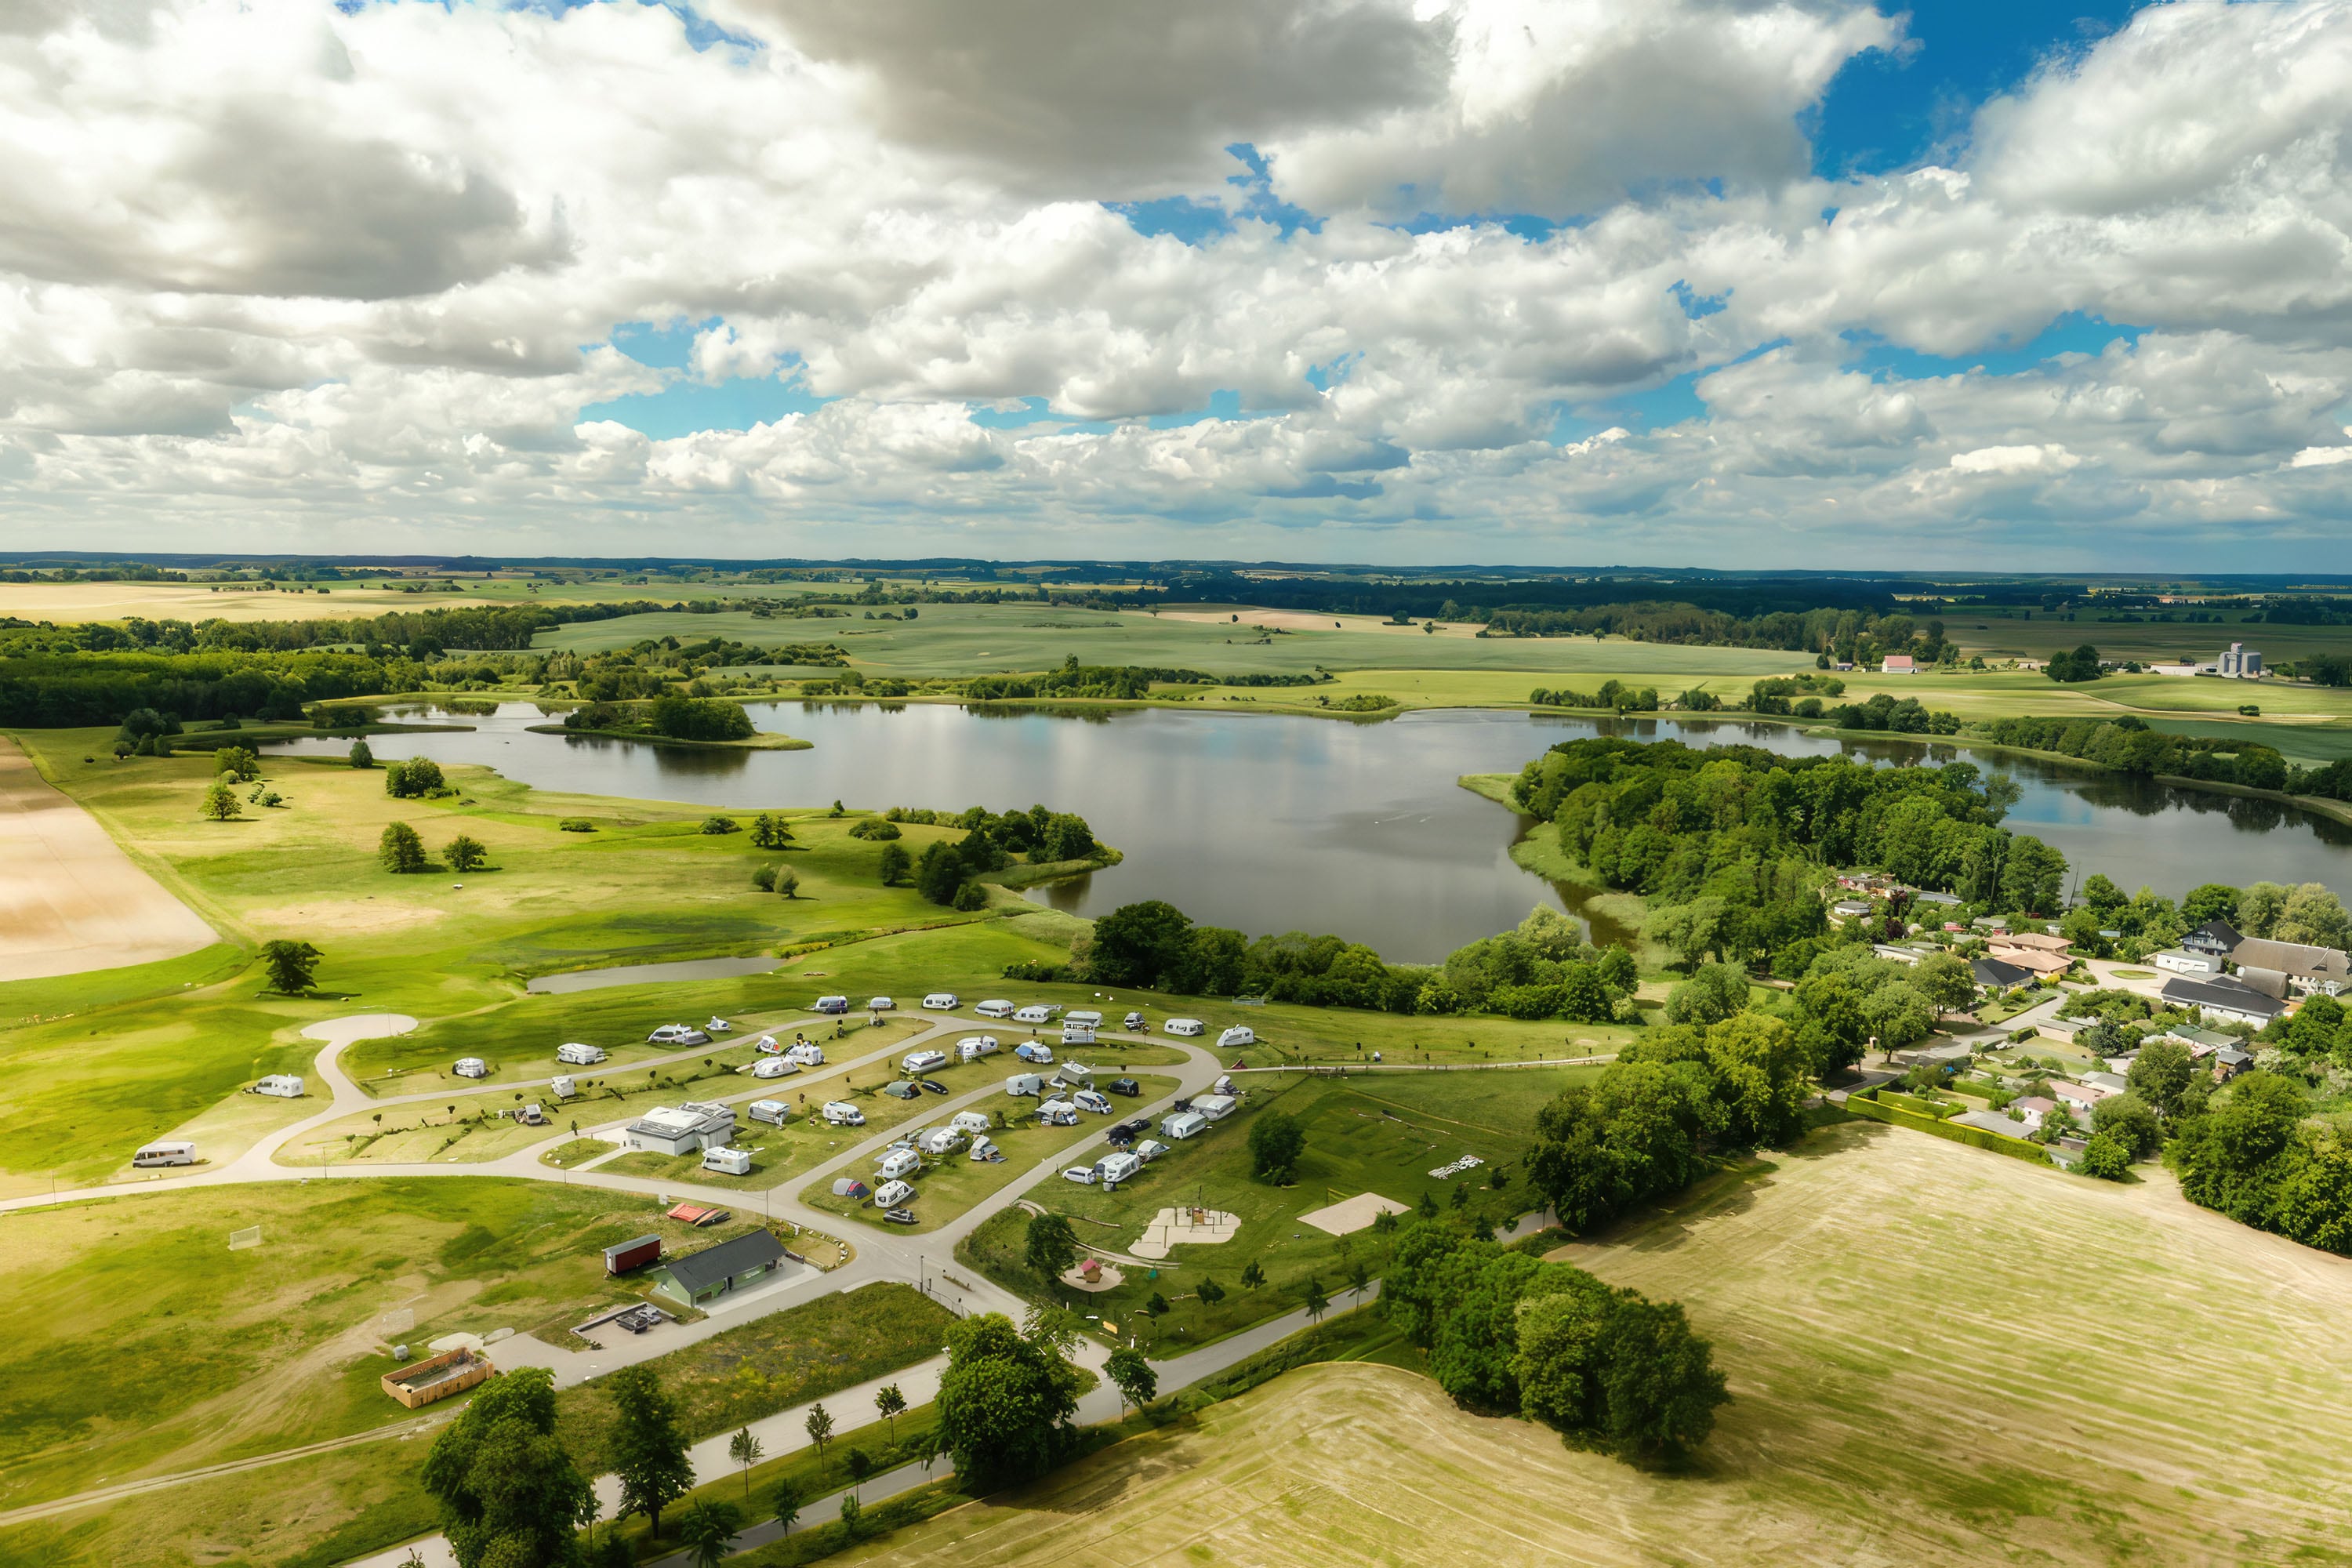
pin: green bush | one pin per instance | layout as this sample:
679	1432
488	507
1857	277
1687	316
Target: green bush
575	824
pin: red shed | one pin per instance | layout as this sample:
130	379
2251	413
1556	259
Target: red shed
627	1255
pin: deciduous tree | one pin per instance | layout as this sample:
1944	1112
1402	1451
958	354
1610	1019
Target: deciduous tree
291	965
508	1490
648	1446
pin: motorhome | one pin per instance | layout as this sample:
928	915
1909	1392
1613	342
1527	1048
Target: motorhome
891	1194
941	1002
1034	1051
1188	1028
1239	1035
532	1115
994	1008
807	1053
970	1120
561	1086
728	1160
832	1005
897	1163
171	1152
1090	1099
575	1053
922	1061
1084	1018
772	1111
471	1067
940	1142
1215	1107
1118	1167
1057	1113
773	1067
1033	1015
841	1113
1135	1025
1025	1083
971	1047
1184	1124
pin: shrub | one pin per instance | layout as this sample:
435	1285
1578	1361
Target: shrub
414	779
575	824
362	757
466	853
970	897
764	879
875	828
720	824
2106	1156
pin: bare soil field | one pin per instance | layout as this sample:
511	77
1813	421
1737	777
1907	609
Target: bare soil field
70	900
1936	1357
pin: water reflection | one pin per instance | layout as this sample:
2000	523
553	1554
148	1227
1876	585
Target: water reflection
1272	822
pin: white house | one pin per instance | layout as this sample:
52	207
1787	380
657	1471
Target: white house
681	1129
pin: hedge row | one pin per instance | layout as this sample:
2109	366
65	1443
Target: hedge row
1974	1137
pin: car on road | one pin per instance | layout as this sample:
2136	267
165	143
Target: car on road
922	1061
841	1113
1126	1085
899	1216
931	1086
941	1002
1082	1175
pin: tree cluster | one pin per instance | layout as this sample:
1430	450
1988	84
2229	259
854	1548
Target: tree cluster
2128	745
2254	1155
1609	1369
1005	1401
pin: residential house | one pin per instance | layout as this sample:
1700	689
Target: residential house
2201	1043
2033	1108
2219	938
1941	900
2038	961
1993	1122
681	1129
1999	975
2229	1061
1903	664
2113	1083
700	1277
2291	968
1852	909
2039	942
2222	996
2078	1096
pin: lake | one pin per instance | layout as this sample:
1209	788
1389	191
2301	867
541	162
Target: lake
1272	822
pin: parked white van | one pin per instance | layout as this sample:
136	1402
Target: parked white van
772	1111
1118	1167
914	1062
727	1160
1239	1035
971	1047
1037	1012
562	1086
1184	1124
471	1067
998	1008
1215	1107
1025	1083
941	1002
1187	1027
773	1067
807	1053
171	1152
841	1113
970	1120
1087	1099
575	1053
280	1086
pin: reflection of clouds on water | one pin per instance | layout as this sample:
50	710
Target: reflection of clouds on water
1272	823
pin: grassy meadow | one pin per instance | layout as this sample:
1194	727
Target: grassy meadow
1935	1355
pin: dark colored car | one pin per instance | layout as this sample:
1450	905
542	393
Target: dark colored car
935	1086
1127	1085
899	1216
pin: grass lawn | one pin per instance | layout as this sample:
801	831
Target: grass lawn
1913	1380
1382	1134
177	1352
948	1187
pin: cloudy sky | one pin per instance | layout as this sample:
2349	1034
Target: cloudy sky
1983	283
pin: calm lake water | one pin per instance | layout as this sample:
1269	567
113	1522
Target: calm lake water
1272	823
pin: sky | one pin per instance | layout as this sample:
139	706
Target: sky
1742	283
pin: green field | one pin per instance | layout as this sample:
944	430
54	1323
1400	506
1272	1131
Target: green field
1379	1133
1913	1380
1997	636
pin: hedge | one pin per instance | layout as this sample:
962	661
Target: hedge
1974	1137
1913	1104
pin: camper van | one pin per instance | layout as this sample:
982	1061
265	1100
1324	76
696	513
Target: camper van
922	1061
1057	1113
841	1113
773	1067
575	1053
1025	1083
1090	1099
1118	1167
897	1163
1184	1124
727	1160
1033	1015
1239	1035
1084	1018
1188	1028
832	1005
174	1152
561	1086
891	1194
806	1053
772	1111
1215	1107
1034	1051
997	1008
1135	1025
969	1121
940	1142
941	1002
971	1047
471	1067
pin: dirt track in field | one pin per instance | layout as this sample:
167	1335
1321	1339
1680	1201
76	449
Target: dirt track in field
1938	1356
70	900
